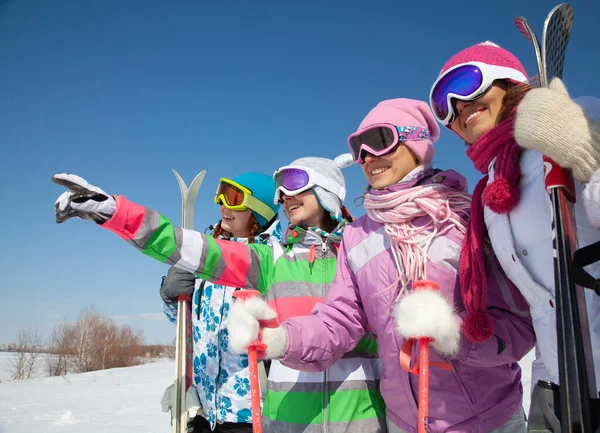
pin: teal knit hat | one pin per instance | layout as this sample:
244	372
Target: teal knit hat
262	187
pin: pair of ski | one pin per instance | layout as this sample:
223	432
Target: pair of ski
577	391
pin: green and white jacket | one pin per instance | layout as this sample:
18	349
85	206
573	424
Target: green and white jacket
293	276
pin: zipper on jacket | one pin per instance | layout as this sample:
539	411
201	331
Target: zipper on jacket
201	288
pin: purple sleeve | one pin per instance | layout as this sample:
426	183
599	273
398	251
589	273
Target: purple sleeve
334	327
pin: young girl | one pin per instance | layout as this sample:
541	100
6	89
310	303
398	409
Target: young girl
414	227
221	376
294	276
482	95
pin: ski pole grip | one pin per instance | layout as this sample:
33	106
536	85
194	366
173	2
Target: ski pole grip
426	285
556	176
244	295
186	298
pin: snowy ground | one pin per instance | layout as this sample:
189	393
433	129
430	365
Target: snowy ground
121	400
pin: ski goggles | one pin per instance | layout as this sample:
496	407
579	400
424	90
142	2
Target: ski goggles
238	198
291	180
382	138
466	82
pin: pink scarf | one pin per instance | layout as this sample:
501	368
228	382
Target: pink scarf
398	209
500	196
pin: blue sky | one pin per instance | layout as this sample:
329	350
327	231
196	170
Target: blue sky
120	92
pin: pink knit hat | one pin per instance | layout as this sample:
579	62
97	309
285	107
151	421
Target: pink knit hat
486	52
406	112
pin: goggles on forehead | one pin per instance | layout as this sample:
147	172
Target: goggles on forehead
466	82
238	198
291	180
382	138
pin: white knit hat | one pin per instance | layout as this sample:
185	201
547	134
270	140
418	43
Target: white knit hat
330	168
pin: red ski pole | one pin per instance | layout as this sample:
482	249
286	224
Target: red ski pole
421	367
423	384
254	349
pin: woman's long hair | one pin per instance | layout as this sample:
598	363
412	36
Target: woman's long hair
513	97
254	229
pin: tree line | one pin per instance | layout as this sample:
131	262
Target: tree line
93	342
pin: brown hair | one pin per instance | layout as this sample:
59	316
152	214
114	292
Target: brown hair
254	229
329	224
513	97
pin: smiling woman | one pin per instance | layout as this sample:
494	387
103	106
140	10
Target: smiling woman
248	215
312	191
483	95
304	208
479	116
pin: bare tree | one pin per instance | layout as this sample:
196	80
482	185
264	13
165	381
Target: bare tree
84	328
57	364
170	349
92	342
109	340
95	342
25	361
127	347
16	364
34	353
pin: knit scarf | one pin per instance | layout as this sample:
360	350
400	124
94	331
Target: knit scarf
398	209
501	196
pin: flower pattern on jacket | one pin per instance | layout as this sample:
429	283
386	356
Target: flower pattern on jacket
221	376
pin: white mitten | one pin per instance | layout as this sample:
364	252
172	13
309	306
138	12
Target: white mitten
426	313
250	320
549	121
84	201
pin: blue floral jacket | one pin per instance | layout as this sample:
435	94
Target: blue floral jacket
221	376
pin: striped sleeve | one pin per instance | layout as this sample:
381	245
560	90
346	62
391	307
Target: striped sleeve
219	261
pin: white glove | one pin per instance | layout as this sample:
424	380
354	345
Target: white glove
84	201
251	320
426	313
549	121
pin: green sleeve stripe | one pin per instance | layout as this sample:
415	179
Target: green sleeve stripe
162	243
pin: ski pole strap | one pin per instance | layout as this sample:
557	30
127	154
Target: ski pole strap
583	257
406	358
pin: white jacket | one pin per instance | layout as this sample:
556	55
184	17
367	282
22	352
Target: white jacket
522	241
591	198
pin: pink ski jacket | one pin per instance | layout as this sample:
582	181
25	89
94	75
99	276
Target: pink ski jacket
481	392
